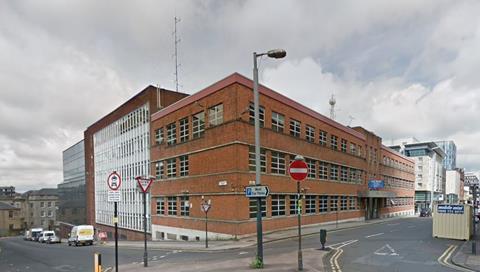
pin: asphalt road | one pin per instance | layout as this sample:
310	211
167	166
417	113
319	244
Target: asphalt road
399	245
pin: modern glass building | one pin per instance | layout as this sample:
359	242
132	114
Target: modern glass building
123	146
450	149
71	192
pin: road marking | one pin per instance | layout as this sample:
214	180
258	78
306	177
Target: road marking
373	235
443	259
383	251
108	269
393	224
242	253
410	227
338	251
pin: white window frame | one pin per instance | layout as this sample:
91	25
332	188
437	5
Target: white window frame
261	114
172	205
252	205
160	206
159	135
295	128
215	115
278	205
172	133
251	159
310	133
184	166
198	125
278	163
184	133
171	168
278	122
323	204
310	204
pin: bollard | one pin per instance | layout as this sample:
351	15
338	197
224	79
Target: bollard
323	237
97	262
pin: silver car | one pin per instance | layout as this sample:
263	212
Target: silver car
53	239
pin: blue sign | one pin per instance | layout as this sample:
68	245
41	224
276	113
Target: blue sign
376	184
256	191
453	209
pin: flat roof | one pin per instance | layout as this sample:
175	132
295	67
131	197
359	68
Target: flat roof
240	79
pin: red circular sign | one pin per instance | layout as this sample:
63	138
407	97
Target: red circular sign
298	170
114	181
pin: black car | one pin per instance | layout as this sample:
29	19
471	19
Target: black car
425	212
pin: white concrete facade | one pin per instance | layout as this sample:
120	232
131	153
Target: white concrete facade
124	147
429	170
454	184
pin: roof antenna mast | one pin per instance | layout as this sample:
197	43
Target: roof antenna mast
332	103
176	42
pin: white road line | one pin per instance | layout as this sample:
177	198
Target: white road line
108	269
242	253
410	227
393	224
373	235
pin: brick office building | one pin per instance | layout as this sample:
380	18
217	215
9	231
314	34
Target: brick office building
202	147
120	142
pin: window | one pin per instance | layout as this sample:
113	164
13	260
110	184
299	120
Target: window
184	206
323	138
42	213
251	159
278	122
343	145
159	170
172	205
312	168
198	125
344	173
10	214
49	204
353	175
333	142
261	114
50	213
334	172
160	205
171	168
293	204
183	166
159	136
215	115
171	134
310	204
42	204
278	163
343	205
31	205
253	207
353	149
295	128
323	204
184	130
353	203
278	205
323	170
310	133
333	203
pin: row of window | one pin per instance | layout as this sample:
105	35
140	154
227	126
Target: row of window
197	123
397	164
48	204
168	205
171	165
317	169
295	127
398	201
42	214
393	182
282	205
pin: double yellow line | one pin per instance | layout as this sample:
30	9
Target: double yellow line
443	259
334	260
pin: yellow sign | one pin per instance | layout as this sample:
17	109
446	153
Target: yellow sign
115	220
85	232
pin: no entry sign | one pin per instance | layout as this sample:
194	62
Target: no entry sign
298	170
114	181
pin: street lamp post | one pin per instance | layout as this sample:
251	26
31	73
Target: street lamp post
277	54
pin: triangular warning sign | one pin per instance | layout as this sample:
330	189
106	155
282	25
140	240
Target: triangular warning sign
386	250
144	183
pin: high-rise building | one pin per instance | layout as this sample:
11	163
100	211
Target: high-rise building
429	171
450	149
71	192
120	142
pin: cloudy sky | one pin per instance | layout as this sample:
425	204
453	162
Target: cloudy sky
399	68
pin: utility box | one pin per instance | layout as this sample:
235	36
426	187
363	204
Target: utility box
452	221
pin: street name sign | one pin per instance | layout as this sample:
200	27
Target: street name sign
256	191
113	196
298	170
144	183
114	181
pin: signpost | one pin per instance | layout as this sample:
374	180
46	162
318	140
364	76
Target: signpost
256	191
298	170
114	181
205	206
144	184
472	181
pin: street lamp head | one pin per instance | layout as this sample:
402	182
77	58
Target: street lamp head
277	53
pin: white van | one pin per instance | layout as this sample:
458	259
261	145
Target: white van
35	233
44	236
81	235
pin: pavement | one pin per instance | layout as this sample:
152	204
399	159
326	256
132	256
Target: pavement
465	258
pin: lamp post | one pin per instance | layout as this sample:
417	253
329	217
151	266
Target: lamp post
277	54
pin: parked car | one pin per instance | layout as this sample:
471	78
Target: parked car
35	233
54	239
425	212
27	235
81	235
45	236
